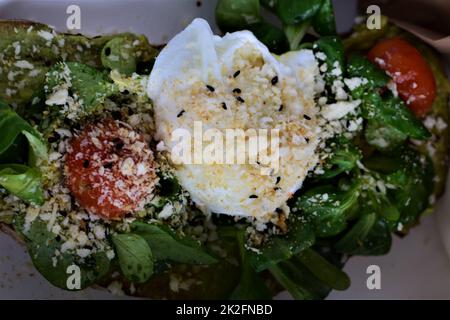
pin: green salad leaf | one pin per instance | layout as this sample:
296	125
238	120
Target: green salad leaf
12	126
135	256
344	157
390	122
119	54
280	248
90	86
22	181
293	12
233	15
333	49
328	208
324	22
42	246
251	285
166	246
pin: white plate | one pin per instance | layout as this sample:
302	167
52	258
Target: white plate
417	266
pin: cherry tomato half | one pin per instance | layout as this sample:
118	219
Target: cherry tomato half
109	169
409	70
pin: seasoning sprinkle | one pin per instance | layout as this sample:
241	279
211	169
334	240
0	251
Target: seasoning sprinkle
253	196
210	88
274	80
237	90
224	106
239	98
236	73
306	117
180	114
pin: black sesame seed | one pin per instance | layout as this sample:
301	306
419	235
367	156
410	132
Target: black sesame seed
253	196
236	73
198	3
237	90
126	92
224	106
276	188
280	108
239	98
306	117
278	180
307	139
107	51
85	163
210	88
274	80
54	137
108	165
58	238
278	210
180	114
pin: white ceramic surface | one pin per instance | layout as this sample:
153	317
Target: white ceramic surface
417	266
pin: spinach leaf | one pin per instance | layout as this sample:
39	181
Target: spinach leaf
90	86
166	246
295	33
326	272
327	208
22	181
42	246
293	12
234	15
324	22
344	156
251	285
280	248
135	257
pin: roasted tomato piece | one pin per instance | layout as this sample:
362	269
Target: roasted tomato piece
110	169
409	70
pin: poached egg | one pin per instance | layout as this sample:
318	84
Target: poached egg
234	82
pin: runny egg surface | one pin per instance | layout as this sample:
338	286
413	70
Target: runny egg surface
234	82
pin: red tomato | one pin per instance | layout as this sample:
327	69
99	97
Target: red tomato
409	70
109	169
